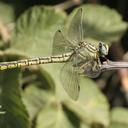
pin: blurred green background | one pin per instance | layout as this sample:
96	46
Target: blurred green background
33	97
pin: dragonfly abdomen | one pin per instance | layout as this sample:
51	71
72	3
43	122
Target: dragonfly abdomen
36	61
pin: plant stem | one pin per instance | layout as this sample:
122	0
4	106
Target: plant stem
112	65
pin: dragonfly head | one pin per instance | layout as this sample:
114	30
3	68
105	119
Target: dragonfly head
103	49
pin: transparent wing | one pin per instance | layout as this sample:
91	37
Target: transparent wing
69	78
75	29
60	44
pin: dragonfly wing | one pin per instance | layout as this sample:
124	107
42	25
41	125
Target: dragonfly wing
69	79
60	44
75	29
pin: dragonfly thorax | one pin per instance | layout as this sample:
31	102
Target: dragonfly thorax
86	51
81	44
89	47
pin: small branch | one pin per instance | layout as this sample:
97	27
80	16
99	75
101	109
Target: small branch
112	65
2	112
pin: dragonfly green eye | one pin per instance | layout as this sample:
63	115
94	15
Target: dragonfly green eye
103	49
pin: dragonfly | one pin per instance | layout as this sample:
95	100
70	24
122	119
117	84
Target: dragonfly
79	57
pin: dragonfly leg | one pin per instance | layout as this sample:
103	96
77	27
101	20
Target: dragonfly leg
97	65
82	68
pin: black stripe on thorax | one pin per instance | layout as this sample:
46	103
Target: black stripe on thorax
88	46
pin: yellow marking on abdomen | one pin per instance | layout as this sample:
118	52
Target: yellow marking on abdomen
3	67
13	65
35	61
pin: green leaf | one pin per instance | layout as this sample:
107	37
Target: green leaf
39	91
1	43
36	99
53	116
39	78
6	13
84	126
10	99
91	104
35	29
101	23
119	118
